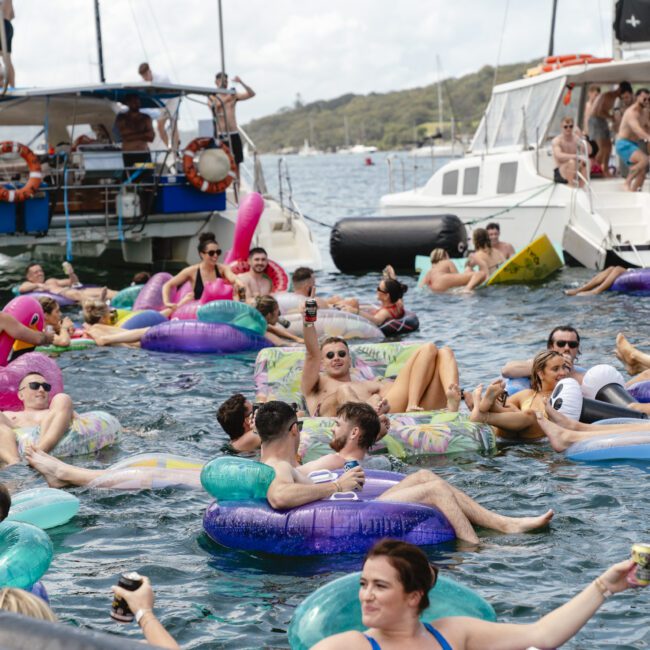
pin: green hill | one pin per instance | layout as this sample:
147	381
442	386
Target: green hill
388	120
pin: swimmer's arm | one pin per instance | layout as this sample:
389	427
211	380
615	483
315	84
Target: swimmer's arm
283	333
62	339
311	369
285	493
179	279
378	318
521	368
27	287
424	282
21	333
329	461
230	276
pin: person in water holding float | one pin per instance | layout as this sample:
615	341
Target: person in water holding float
275	333
394	591
420	385
279	429
235	416
53	417
255	280
199	275
484	257
443	274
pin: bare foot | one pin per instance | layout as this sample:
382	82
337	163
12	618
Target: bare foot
380	404
558	417
476	415
453	398
571	292
468	398
525	524
557	435
492	393
413	407
45	464
626	352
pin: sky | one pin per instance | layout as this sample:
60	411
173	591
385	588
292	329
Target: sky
280	48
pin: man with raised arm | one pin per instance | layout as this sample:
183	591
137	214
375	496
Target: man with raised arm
630	134
279	429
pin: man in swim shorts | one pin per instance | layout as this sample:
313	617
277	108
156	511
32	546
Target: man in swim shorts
256	281
52	417
565	155
35	281
627	146
279	429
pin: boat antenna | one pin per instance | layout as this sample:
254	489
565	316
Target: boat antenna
223	56
551	42
100	52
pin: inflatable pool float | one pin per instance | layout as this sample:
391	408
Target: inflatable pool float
612	446
12	375
198	337
125	298
241	518
27	311
88	433
43	507
75	344
398	326
25	554
289	301
633	281
237	314
640	391
332	322
62	301
138	319
335	608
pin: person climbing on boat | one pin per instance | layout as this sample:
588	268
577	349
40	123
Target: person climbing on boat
276	333
198	275
443	274
69	287
486	258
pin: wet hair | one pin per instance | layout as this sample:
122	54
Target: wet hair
266	305
301	274
5	501
258	250
625	87
641	91
273	419
30	266
94	310
48	304
232	415
493	225
363	416
539	363
437	255
334	339
394	288
561	328
412	566
143	67
206	238
141	278
481	239
22	602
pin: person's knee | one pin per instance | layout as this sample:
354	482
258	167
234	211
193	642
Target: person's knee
62	401
430	349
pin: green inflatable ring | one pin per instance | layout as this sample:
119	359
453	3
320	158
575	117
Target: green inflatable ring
25	554
125	299
237	314
228	478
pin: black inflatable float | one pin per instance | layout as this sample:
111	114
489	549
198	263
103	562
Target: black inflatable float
361	244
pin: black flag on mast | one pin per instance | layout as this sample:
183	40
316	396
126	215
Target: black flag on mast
632	21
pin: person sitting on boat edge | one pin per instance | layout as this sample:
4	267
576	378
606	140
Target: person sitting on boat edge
279	430
484	257
394	591
494	232
255	280
570	164
443	274
629	134
276	332
208	270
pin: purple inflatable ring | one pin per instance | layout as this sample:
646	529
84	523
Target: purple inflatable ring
640	391
194	336
150	296
634	281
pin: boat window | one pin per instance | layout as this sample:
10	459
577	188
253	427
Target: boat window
450	182
507	180
470	180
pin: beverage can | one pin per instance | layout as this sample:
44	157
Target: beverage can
351	464
242	293
311	310
120	611
641	556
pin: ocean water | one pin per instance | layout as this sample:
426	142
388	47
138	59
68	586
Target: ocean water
212	597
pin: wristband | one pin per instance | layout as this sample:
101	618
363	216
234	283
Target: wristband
337	485
602	587
140	613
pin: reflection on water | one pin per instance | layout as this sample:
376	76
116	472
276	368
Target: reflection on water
212	597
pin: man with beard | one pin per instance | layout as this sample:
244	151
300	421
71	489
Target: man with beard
256	281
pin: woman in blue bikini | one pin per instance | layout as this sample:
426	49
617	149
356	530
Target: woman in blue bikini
393	591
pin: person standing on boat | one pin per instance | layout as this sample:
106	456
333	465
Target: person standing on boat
7	16
224	106
601	112
565	154
627	145
169	113
593	92
494	231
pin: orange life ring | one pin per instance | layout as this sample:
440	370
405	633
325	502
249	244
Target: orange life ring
277	275
28	190
192	174
551	63
562	58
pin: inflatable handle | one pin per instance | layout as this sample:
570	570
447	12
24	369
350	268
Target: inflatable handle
322	476
615	394
593	410
248	216
344	496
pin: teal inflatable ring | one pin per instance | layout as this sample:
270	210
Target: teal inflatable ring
125	298
237	314
25	554
43	507
335	608
228	478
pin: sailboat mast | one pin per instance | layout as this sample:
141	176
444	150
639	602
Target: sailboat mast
551	43
221	45
100	51
439	96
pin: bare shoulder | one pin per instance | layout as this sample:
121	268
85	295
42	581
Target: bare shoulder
344	641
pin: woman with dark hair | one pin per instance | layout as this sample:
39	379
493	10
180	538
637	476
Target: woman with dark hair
275	332
394	591
515	417
198	275
486	258
389	295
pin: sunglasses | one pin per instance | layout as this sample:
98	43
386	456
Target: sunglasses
381	290
35	385
298	423
342	354
213	252
568	126
572	344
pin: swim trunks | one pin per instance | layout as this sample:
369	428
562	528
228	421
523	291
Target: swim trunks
625	148
557	177
598	128
233	140
444	644
9	30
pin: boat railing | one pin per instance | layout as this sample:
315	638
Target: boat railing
390	161
288	205
256	175
582	158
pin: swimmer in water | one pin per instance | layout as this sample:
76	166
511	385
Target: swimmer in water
484	257
66	287
443	274
276	333
389	296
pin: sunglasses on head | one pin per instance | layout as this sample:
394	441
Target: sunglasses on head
341	353
35	385
381	290
213	252
572	344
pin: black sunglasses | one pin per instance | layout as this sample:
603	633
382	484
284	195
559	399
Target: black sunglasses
35	385
568	126
299	424
572	344
342	354
212	253
381	290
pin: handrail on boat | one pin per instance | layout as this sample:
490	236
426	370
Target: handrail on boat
582	155
389	162
5	56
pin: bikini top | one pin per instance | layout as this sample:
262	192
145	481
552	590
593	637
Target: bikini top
436	635
198	282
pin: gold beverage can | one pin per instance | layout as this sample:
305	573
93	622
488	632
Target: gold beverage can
641	556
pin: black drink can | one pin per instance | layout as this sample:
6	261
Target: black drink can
311	310
120	611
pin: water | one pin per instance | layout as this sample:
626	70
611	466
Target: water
210	597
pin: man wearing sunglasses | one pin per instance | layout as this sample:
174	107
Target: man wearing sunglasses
53	417
565	155
279	430
563	339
